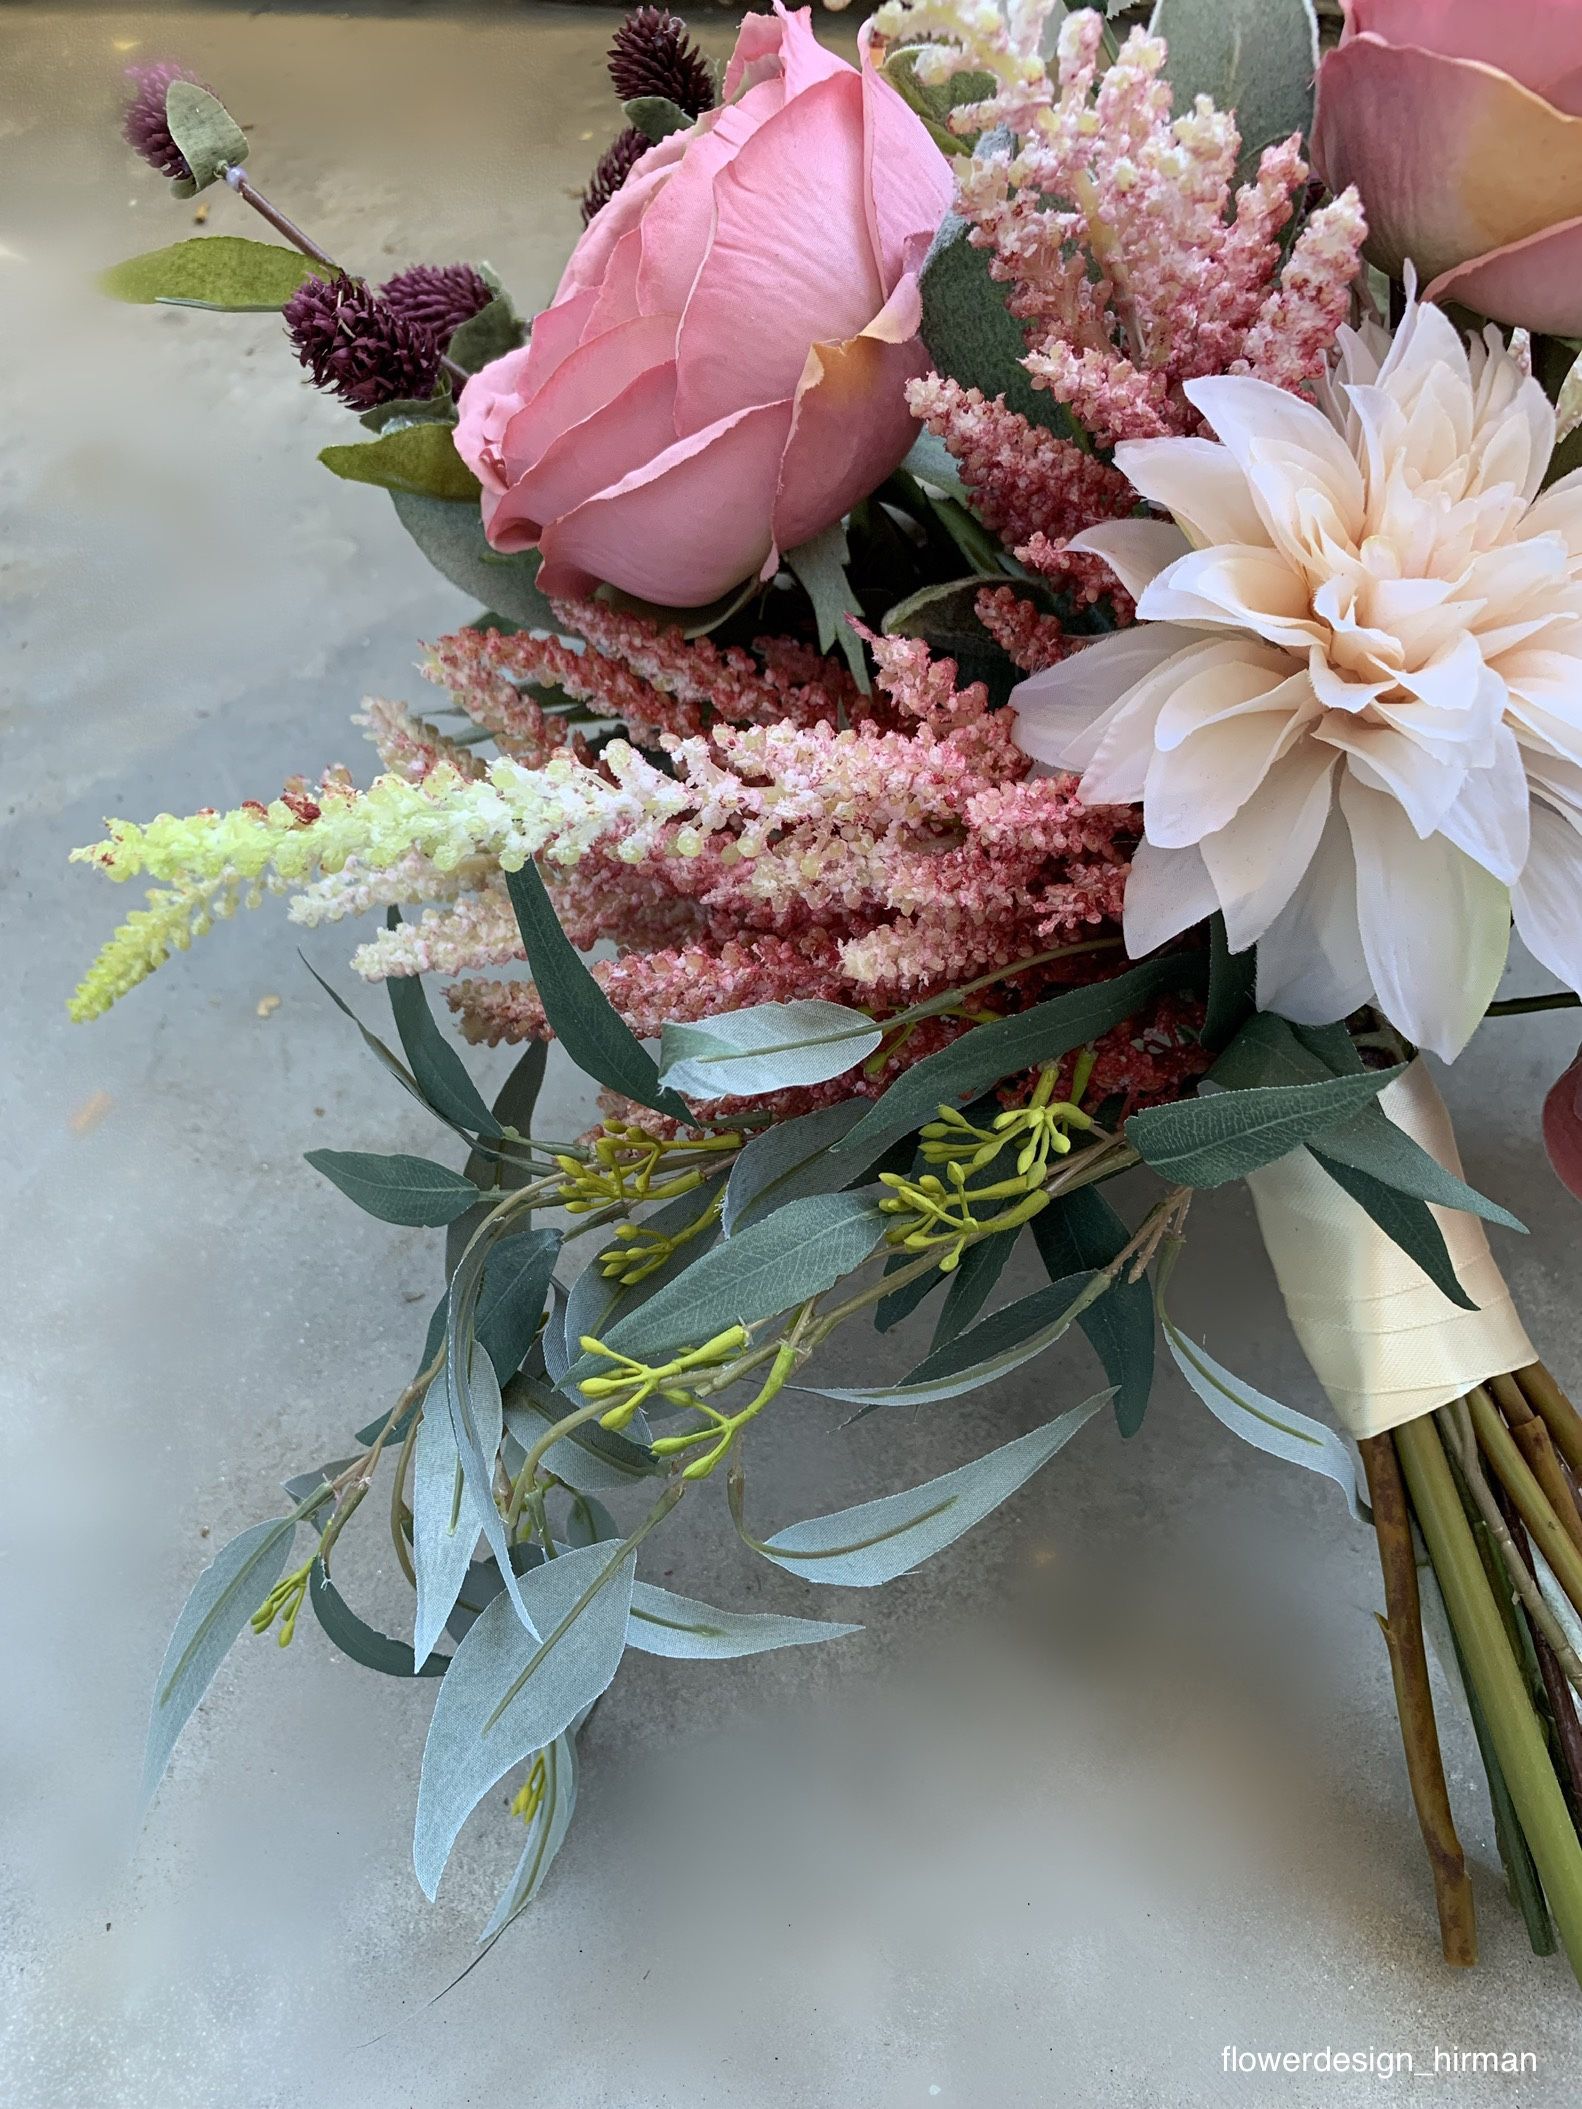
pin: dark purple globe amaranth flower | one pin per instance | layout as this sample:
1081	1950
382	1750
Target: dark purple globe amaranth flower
438	297
146	128
358	346
614	166
652	54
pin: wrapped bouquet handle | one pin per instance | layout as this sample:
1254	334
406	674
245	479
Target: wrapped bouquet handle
1386	1344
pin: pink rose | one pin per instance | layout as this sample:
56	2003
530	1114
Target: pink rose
722	371
1460	121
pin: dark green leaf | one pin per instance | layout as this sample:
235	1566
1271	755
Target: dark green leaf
397	1189
1223	1135
971	334
820	565
788	1160
580	1014
1254	57
518	1095
1232	982
971	1283
440	1072
362	1642
1080	1233
371	1041
516	1276
1010	1337
656	116
980	1058
899	1304
221	271
420	459
210	139
1406	1222
451	536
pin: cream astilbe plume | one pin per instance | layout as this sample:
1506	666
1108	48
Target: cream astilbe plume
1351	707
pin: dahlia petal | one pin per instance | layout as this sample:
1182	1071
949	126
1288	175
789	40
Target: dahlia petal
1491	818
1135	550
1311	967
1196	480
1247	413
1260	857
1545	897
1237	588
1061	712
1167	891
1435	926
1200	785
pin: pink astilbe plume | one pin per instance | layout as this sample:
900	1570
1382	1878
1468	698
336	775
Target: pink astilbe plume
1022	480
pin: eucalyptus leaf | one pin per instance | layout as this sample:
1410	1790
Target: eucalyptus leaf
444	1522
1256	58
656	116
440	1072
799	1251
1003	1342
358	1640
509	1693
580	1014
412	1190
210	139
1223	1135
592	1459
477	1415
1044	1032
1408	1223
516	1280
450	534
971	334
767	1047
220	271
1262	1421
223	1599
971	1282
596	1302
545	1835
663	1623
1080	1233
791	1158
517	1098
863	1547
820	566
419	459
1232	986
898	1305
371	1040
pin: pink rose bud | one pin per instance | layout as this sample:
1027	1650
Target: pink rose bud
723	370
1563	1126
1460	122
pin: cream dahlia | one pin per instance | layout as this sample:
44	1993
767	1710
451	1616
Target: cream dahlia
1351	707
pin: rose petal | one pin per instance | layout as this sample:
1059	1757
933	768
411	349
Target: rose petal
1538	42
633	428
1537	282
908	181
595	374
683	529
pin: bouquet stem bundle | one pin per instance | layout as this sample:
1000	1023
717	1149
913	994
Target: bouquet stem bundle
1490	1481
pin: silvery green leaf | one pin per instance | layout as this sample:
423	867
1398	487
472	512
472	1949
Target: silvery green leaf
210	139
397	1189
971	334
1262	1421
790	1159
1253	58
545	1834
820	568
656	116
799	1251
1223	1135
444	1522
508	1693
224	1597
592	1459
588	1521
663	1623
1002	1343
862	1547
769	1047
477	1421
596	1302
931	461
451	536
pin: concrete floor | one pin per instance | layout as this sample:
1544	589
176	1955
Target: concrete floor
1110	1787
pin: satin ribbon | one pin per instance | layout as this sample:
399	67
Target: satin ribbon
1385	1343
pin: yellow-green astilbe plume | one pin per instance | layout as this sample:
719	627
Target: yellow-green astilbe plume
212	863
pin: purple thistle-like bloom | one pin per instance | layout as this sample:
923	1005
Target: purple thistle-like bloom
615	164
653	55
146	129
438	297
356	345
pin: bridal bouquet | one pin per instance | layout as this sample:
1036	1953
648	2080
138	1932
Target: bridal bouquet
1030	622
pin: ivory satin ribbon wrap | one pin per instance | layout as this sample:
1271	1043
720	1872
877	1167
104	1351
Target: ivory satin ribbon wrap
1383	1341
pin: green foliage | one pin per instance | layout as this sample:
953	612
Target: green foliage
208	135
866	1546
221	271
663	1623
767	1047
357	1639
1256	57
979	1059
450	534
1223	1135
486	336
411	1190
934	101
444	1522
585	1022
789	1159
420	459
656	116
971	1284
1002	1343
592	1459
545	1834
437	1068
971	334
945	617
820	566
1410	1224
1232	987
509	1692
477	1413
1080	1233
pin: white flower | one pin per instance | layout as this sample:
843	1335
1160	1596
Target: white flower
1352	704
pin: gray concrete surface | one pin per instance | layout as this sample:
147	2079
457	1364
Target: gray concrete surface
1110	1787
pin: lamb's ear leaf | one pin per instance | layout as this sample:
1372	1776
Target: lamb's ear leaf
225	272
970	333
450	534
581	1015
1256	58
656	116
